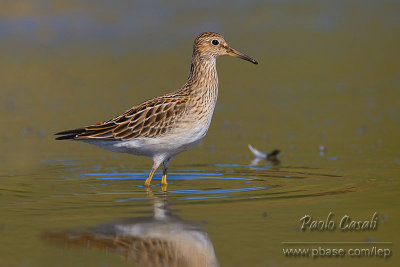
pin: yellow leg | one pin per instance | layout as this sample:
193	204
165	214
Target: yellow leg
149	192
164	178
164	187
148	180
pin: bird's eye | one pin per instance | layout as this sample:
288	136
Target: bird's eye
215	42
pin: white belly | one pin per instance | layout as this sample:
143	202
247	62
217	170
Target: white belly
168	145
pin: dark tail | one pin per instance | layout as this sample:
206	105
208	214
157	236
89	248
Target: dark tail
273	156
70	134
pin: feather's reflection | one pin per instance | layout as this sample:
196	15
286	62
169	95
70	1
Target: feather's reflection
259	156
163	239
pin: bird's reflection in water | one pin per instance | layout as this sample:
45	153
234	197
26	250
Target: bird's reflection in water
161	240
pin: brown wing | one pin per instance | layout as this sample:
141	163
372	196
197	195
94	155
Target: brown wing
149	119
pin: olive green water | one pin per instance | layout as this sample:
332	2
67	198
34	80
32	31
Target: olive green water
328	76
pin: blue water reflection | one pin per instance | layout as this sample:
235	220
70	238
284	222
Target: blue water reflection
172	176
233	190
139	192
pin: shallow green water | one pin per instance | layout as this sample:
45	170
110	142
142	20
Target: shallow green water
328	76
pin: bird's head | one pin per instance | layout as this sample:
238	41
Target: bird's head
214	44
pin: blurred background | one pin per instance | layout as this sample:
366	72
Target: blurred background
328	72
328	76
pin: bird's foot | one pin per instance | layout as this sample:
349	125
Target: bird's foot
148	191
164	187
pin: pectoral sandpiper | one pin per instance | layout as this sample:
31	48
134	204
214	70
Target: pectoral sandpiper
165	126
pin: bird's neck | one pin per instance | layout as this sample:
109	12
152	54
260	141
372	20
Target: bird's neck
203	76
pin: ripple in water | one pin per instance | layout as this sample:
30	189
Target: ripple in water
229	183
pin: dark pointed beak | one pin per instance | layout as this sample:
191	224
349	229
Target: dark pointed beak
234	53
